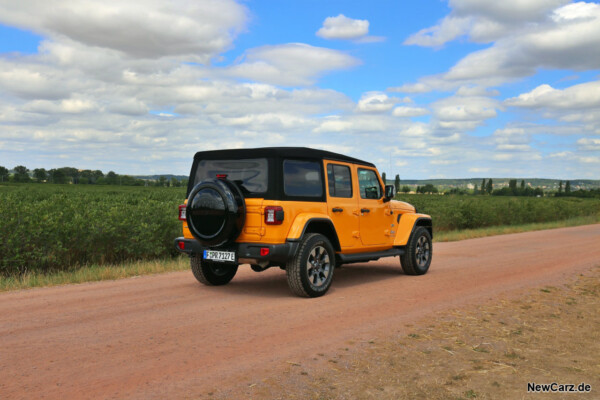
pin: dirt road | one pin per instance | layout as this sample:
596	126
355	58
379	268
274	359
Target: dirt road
166	336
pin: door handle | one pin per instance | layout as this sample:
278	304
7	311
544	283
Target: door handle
364	210
337	209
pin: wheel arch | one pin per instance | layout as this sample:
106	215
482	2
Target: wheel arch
314	223
425	222
324	227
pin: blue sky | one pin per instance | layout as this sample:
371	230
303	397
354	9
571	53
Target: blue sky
429	89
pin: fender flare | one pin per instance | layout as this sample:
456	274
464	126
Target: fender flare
407	224
303	221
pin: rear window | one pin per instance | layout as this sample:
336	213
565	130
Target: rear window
251	175
302	178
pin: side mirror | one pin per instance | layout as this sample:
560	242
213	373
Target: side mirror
390	192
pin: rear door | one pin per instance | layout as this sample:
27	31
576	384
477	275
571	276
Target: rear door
374	213
342	202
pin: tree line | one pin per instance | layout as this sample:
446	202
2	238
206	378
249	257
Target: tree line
69	175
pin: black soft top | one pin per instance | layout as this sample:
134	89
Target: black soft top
280	152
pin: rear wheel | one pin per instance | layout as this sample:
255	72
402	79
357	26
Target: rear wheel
310	272
212	273
417	257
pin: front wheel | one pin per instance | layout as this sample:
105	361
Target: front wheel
212	273
417	257
310	272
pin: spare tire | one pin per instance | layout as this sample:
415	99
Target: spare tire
216	212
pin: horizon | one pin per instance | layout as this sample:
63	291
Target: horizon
429	89
388	178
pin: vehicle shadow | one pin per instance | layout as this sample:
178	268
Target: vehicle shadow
273	283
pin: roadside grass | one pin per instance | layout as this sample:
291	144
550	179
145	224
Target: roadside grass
490	351
91	273
452	236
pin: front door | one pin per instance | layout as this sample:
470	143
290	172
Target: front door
342	203
374	220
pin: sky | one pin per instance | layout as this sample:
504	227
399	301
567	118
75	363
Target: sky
427	89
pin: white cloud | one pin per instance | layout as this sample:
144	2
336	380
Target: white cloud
538	34
589	144
449	29
342	27
375	102
138	28
580	96
290	64
68	106
410	111
483	21
459	113
508	10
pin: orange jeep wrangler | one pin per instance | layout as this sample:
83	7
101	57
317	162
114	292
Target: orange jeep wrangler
306	211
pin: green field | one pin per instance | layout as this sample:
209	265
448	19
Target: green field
450	213
55	227
50	228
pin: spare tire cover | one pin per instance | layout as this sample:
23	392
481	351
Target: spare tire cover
216	212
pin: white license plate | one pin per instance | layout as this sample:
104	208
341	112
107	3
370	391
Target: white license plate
223	256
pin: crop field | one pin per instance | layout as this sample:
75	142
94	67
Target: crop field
48	227
450	213
55	227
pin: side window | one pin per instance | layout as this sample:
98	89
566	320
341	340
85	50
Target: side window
368	184
340	183
302	178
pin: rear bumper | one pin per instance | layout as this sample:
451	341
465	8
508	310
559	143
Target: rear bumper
246	253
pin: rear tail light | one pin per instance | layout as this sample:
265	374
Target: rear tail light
273	215
264	251
181	245
182	212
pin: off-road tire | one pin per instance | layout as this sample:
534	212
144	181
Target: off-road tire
212	273
418	252
310	272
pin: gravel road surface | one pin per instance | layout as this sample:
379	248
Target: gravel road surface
167	336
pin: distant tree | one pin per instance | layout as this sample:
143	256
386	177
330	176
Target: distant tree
568	187
40	174
57	176
97	174
112	178
512	186
383	178
72	174
560	187
3	174
490	186
429	188
86	176
397	183
21	174
175	182
162	181
523	184
483	186
405	189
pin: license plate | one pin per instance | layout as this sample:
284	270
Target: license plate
222	256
